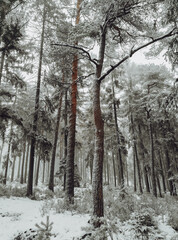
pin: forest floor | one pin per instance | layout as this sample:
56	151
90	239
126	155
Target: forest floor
134	217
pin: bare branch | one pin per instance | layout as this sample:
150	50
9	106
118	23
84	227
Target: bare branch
78	48
132	52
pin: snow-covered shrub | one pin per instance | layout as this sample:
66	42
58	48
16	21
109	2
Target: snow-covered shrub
4	191
107	229
19	191
82	204
173	215
143	227
43	194
117	206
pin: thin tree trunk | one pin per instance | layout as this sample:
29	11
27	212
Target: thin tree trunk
38	168
159	185
65	137
114	169
162	172
169	174
121	171
51	177
23	162
2	65
18	172
108	169
35	118
2	146
136	154
13	168
135	176
72	125
8	153
146	179
152	157
44	165
26	162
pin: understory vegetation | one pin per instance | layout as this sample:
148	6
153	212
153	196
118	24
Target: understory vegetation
129	216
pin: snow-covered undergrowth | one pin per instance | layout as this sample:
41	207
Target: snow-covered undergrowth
130	218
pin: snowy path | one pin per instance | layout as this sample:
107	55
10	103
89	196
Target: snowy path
21	214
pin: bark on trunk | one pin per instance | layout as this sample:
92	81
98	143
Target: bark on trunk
72	126
26	162
18	172
135	176
8	153
23	162
65	137
44	166
13	168
51	177
2	65
35	118
121	170
97	181
114	169
162	172
38	168
152	157
136	154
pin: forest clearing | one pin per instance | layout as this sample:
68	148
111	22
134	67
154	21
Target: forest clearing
88	120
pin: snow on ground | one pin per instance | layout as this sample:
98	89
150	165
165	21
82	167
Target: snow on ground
20	214
167	230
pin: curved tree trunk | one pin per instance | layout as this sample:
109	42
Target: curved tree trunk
72	126
35	118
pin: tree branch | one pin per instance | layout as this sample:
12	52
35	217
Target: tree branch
78	48
132	52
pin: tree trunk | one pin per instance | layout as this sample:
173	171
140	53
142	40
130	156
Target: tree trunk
13	169
44	165
2	146
2	65
135	176
136	154
162	172
8	153
152	157
19	164
171	185
35	118
72	125
51	177
65	137
97	181
114	169
146	179
26	162
37	169
23	162
159	185
121	171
